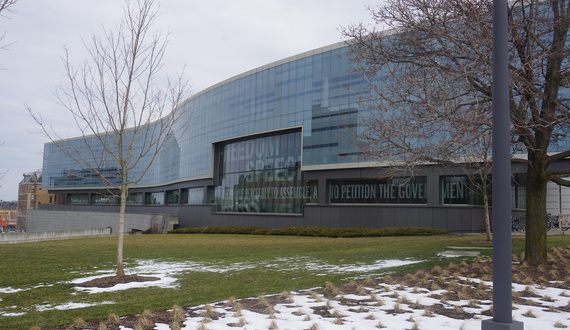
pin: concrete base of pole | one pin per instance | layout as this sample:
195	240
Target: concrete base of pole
492	325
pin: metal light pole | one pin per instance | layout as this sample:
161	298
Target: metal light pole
502	271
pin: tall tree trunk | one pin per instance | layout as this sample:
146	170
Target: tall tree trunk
120	270
535	247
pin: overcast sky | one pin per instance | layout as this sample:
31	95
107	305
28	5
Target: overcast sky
214	39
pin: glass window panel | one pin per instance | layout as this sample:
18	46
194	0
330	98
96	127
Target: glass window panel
172	197
270	180
155	198
78	199
101	199
135	199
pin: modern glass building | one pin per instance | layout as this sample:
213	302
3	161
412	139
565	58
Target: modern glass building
273	147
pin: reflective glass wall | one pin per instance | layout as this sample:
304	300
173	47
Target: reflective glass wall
261	175
314	91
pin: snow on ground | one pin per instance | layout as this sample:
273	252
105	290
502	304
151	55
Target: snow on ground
167	271
385	306
376	304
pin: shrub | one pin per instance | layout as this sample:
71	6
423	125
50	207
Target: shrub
315	231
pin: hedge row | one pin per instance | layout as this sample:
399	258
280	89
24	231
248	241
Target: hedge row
315	231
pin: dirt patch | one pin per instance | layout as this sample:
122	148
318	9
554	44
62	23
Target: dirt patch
111	281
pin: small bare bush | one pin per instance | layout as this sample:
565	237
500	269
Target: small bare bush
177	314
437	270
397	308
529	313
360	290
287	295
337	314
78	323
114	318
331	289
380	325
369	281
315	296
175	326
559	325
404	300
242	322
416	305
473	304
209	312
518	278
362	309
427	312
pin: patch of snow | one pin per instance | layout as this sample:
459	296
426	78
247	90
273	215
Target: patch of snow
12	314
167	270
70	305
11	290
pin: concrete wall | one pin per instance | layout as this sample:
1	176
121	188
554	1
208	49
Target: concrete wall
49	235
558	199
50	220
457	219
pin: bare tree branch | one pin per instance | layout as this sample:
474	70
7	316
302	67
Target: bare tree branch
126	118
430	81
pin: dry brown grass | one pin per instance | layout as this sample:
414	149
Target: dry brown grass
114	319
331	290
209	312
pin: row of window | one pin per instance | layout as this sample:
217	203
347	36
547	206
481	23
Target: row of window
170	197
270	192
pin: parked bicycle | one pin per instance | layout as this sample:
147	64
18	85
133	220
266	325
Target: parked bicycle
518	222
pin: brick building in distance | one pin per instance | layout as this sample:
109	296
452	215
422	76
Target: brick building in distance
30	195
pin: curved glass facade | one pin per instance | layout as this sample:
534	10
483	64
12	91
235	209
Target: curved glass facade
273	147
313	91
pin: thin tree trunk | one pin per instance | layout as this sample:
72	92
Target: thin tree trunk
120	270
484	188
486	205
535	247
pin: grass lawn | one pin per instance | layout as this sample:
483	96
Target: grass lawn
34	277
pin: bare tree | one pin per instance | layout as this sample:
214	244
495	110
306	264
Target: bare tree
126	117
5	7
431	77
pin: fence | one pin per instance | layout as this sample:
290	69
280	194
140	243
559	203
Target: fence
50	235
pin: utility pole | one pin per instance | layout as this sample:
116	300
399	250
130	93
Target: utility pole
502	267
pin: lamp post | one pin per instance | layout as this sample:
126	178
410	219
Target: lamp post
502	267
